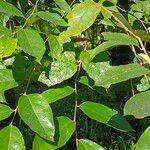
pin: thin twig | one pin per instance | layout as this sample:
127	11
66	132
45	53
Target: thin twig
27	19
129	31
76	99
15	112
29	79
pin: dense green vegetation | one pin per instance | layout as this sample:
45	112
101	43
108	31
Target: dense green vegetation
74	74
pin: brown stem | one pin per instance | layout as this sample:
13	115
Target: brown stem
126	29
76	101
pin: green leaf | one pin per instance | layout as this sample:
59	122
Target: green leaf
2	97
105	75
114	39
54	94
7	81
63	5
11	139
5	111
9	9
105	115
7	46
143	142
4	30
41	144
85	144
124	39
55	47
138	105
54	18
37	114
60	70
143	35
78	20
31	43
66	127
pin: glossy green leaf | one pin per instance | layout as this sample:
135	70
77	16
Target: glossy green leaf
54	18
37	114
78	20
66	127
63	5
106	115
138	105
7	80
11	139
9	9
54	94
41	144
5	111
61	70
7	46
31	43
105	75
4	30
55	47
143	142
85	144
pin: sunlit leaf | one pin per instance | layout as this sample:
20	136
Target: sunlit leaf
85	144
60	70
11	139
78	20
37	114
7	46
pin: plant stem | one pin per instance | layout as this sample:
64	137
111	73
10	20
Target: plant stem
76	99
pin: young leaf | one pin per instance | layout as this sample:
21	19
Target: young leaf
9	9
52	17
2	97
37	114
54	94
61	70
85	144
63	5
138	105
7	46
143	142
7	81
105	115
31	43
11	139
5	111
78	20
